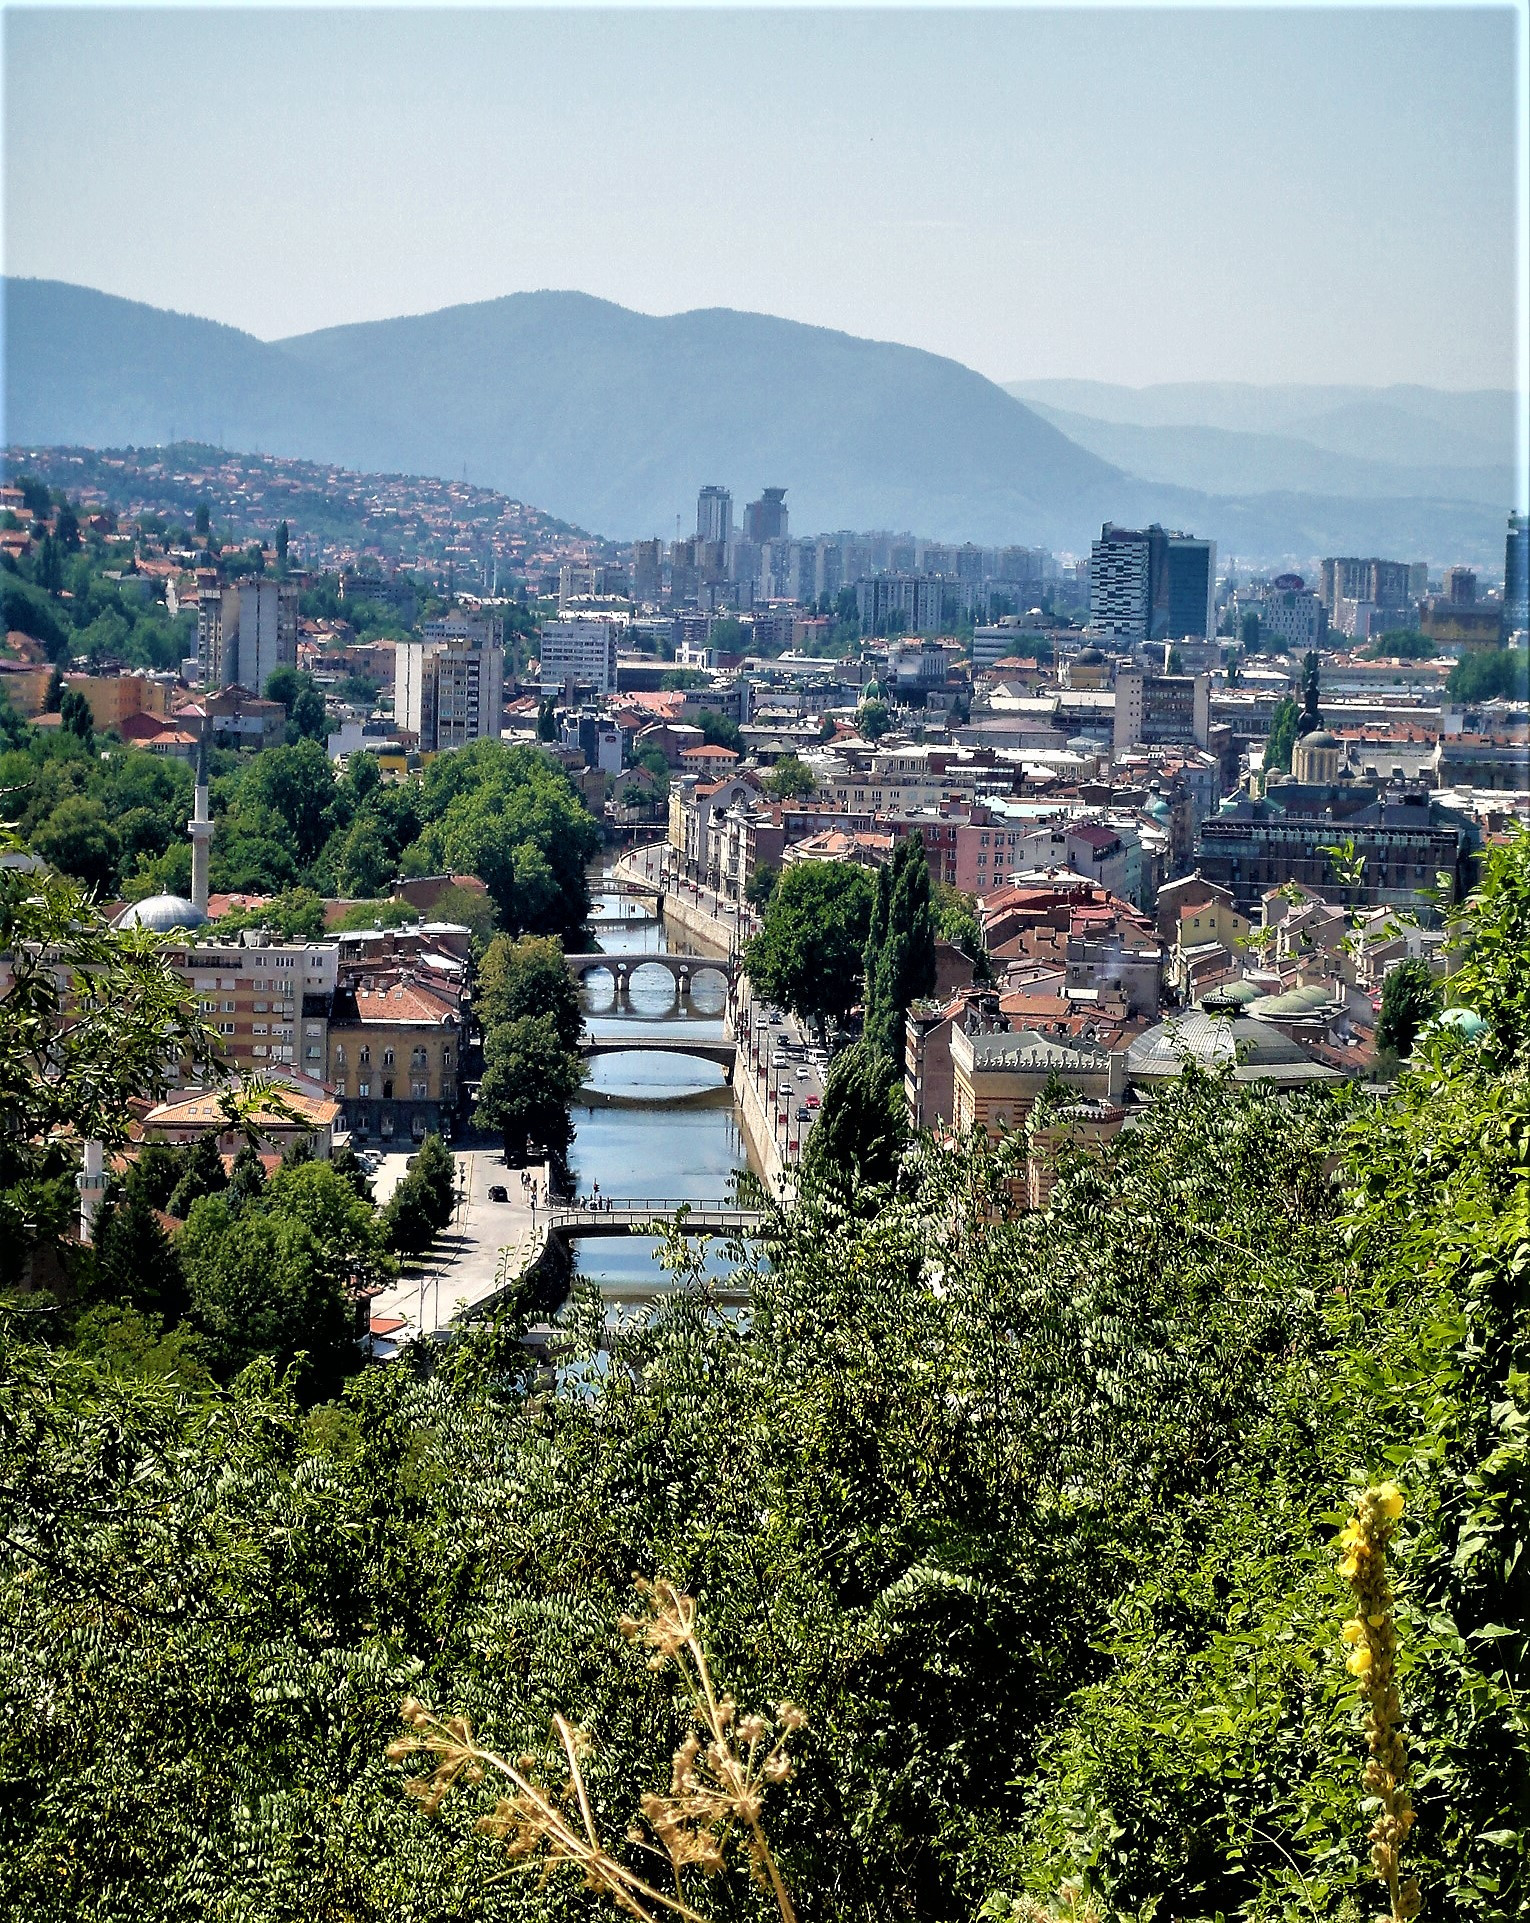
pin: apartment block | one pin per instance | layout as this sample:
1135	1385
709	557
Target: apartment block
246	630
580	651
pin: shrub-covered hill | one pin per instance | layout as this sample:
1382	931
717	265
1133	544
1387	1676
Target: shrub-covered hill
1033	1514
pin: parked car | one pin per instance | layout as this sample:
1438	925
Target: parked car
812	1101
499	1193
804	1115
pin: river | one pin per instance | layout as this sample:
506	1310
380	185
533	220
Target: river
662	1126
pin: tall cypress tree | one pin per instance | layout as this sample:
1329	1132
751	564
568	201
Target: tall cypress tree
901	967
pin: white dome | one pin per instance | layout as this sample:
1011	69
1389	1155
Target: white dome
162	913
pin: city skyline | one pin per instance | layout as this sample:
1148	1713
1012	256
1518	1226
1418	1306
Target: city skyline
1026	191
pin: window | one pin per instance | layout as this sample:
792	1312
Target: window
226	1028
446	1057
364	1088
387	1058
312	1051
261	1008
420	1091
387	1091
228	1008
262	1028
418	1059
339	1053
260	1048
365	1057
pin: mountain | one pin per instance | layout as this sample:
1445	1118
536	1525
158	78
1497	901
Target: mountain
613	419
1221	460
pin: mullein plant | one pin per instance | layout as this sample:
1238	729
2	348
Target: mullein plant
719	1777
1370	1639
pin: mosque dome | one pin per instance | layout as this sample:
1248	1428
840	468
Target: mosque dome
162	914
1090	658
1467	1023
1217	1033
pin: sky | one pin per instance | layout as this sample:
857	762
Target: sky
1138	196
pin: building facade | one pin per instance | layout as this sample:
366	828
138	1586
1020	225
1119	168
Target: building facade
580	651
245	632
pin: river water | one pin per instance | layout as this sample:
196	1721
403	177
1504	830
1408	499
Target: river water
661	1126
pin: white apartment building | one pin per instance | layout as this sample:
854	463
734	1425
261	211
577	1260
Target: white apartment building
245	632
449	688
580	649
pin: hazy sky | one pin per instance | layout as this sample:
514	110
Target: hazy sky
1132	196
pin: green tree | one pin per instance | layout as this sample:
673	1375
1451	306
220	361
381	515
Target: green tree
135	1263
1490	674
528	976
90	1019
720	730
75	717
246	1179
204	518
282	540
790	779
761	884
807	956
1248	631
547	720
79	840
203	1174
899	958
1410	998
530	1081
1282	737
873	718
855	1145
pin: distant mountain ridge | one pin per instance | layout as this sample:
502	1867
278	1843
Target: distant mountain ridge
612	419
1364	442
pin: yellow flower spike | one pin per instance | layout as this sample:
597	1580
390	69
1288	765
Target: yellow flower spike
1350	1567
1353	1631
1358	1662
1389	1499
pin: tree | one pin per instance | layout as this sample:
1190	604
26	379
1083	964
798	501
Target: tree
79	840
858	1139
1282	737
90	1020
282	538
720	730
873	718
899	959
529	976
1402	644
530	1081
49	571
1248	631
761	884
436	1172
1410	998
204	518
1490	674
790	779
807	956
135	1263
547	720
246	1179
75	717
203	1174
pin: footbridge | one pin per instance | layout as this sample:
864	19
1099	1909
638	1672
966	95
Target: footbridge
683	970
636	1215
724	1053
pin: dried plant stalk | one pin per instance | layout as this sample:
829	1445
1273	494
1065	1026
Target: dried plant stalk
718	1781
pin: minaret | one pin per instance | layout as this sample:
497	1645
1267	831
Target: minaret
201	828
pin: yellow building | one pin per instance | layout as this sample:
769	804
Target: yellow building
395	1056
998	1074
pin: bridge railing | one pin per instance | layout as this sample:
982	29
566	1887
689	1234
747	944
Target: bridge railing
649	1205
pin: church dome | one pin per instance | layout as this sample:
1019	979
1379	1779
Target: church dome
162	914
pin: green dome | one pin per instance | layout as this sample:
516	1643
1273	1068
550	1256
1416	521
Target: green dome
1467	1023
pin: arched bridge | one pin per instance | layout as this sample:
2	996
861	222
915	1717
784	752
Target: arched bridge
724	1053
683	969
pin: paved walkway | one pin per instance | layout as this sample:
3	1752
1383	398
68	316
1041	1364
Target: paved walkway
463	1264
649	863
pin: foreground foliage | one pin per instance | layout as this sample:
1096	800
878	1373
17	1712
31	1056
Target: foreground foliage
1034	1516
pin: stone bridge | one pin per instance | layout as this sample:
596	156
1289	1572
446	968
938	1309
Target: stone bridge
683	969
724	1053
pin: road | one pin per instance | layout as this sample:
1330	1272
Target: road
462	1266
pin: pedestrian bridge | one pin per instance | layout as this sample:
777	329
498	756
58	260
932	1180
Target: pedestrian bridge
683	970
724	1053
636	1215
